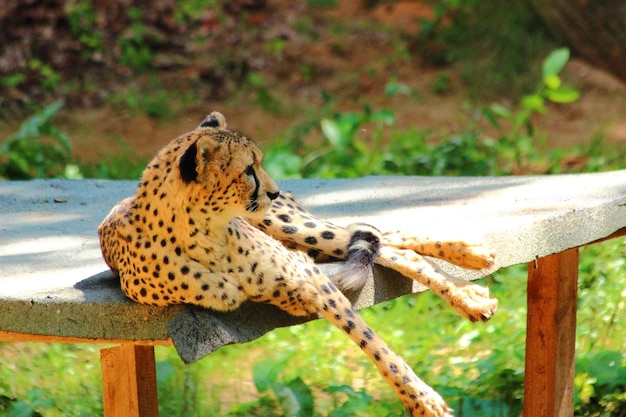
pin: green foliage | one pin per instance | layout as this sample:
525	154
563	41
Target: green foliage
354	146
67	384
153	100
357	402
515	126
496	43
12	80
38	149
83	21
264	96
189	10
33	401
601	384
135	45
50	79
294	396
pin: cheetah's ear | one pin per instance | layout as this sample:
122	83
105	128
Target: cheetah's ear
188	165
196	158
215	119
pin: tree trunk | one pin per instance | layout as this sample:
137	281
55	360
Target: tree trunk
593	29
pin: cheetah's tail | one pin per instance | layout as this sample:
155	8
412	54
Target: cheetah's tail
362	251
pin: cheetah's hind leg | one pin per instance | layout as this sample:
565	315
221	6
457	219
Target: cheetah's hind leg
468	299
470	255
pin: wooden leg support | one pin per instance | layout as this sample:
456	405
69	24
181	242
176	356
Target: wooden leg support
551	335
129	381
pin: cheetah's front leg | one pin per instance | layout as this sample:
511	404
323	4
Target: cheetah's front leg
468	299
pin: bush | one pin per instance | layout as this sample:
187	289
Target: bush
38	149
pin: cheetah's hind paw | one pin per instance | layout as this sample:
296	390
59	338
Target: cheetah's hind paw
470	255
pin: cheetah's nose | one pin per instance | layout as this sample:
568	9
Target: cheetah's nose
273	195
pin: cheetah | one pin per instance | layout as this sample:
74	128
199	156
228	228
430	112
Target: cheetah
208	226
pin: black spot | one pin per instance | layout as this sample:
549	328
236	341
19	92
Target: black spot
178	250
205	287
284	218
143	292
393	368
184	270
313	253
328	235
290	230
311	240
310	225
171	276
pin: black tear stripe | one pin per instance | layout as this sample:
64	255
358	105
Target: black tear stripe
188	164
253	205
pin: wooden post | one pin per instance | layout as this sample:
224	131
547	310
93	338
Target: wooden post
129	381
551	335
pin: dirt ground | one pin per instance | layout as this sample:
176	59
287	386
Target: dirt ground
352	63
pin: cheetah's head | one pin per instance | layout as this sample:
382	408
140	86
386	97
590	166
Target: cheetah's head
226	166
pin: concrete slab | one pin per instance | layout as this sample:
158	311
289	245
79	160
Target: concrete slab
53	280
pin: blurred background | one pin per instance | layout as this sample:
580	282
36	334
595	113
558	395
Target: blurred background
128	76
328	88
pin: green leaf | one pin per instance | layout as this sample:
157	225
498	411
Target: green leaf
491	117
534	102
563	95
266	372
553	81
333	133
554	62
500	110
384	116
393	88
295	398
